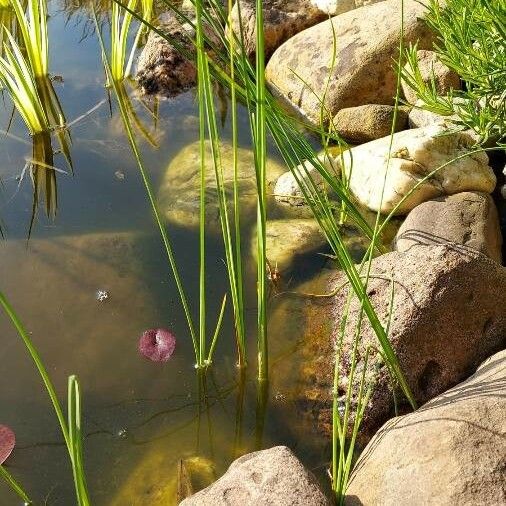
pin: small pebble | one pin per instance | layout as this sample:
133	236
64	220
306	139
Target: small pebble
102	295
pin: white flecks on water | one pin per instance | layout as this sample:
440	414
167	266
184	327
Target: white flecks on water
102	295
120	175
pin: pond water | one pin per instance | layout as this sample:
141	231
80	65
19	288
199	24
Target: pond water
140	418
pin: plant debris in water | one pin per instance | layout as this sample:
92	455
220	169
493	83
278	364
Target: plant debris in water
157	344
7	443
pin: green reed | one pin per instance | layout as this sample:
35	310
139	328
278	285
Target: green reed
71	430
203	356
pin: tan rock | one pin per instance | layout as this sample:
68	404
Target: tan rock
369	122
384	173
289	239
367	42
451	451
431	66
468	218
273	476
179	194
282	20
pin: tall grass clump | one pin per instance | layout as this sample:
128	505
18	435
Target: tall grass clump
203	353
70	428
471	40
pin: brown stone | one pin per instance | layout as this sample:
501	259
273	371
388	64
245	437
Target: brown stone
448	315
367	43
467	218
452	451
273	476
369	122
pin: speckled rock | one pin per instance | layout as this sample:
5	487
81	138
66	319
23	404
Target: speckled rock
420	117
369	122
413	156
468	218
367	42
287	190
449	314
179	194
288	239
273	476
451	451
430	65
161	68
282	20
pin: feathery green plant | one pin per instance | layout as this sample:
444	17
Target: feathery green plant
471	40
72	430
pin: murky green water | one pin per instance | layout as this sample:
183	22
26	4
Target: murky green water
140	418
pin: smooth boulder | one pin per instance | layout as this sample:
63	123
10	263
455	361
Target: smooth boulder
395	175
451	451
449	314
367	43
369	122
273	476
179	194
469	219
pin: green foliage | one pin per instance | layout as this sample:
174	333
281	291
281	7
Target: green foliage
471	40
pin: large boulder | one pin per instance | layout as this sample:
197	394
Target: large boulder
367	42
448	315
451	451
467	218
432	70
273	476
334	7
369	122
383	173
179	194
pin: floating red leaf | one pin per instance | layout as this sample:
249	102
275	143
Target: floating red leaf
157	344
7	443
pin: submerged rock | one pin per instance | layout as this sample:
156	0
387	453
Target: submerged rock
369	122
273	476
179	195
448	315
432	69
367	43
469	219
286	240
451	451
287	190
413	155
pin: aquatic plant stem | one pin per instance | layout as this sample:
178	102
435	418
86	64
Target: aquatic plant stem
77	466
260	143
14	485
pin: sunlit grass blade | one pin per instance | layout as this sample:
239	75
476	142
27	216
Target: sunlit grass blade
79	477
14	485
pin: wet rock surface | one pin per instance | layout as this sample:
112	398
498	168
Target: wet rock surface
179	194
451	451
367	42
469	219
369	122
448	315
400	166
273	476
